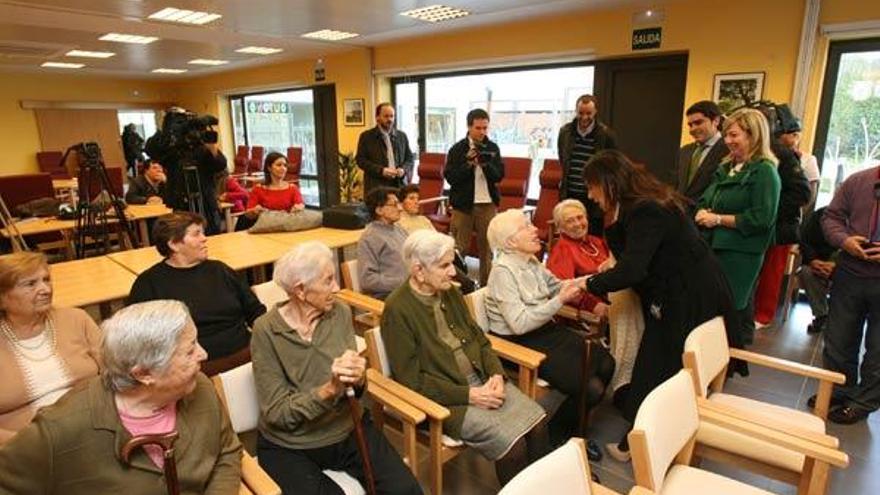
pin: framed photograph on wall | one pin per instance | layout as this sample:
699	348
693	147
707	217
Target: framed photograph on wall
737	89
353	112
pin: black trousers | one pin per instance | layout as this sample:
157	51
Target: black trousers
300	471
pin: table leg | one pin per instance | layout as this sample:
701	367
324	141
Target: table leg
142	231
230	227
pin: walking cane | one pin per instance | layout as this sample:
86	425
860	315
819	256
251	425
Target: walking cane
166	443
356	413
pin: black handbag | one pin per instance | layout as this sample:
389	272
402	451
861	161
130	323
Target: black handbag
348	216
40	207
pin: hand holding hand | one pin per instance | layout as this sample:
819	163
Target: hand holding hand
349	368
707	219
485	396
569	292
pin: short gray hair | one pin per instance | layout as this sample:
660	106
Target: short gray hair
426	247
561	207
301	265
144	334
502	227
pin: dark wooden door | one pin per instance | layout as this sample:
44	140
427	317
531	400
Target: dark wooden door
642	99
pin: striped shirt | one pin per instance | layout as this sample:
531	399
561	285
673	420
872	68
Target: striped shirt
583	148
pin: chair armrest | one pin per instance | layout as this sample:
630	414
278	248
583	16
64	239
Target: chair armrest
575	314
639	490
435	199
777	437
244	490
516	353
361	301
432	409
398	406
788	366
255	478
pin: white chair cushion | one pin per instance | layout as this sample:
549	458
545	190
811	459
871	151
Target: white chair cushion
349	485
686	480
559	472
737	443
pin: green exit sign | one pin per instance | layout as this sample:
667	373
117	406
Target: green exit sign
645	39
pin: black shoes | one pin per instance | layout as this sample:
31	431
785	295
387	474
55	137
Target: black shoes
594	453
847	415
835	402
818	325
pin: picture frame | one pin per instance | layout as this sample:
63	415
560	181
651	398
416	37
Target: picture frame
735	89
354	112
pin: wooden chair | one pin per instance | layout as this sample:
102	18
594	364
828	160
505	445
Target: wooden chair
706	355
664	436
351	281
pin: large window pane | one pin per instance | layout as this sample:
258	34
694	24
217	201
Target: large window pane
526	109
277	121
406	99
238	122
143	120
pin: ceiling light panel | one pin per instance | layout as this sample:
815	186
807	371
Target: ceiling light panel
181	16
435	13
207	61
259	50
128	38
62	65
168	71
329	35
88	54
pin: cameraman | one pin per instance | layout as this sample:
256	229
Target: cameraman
473	170
210	161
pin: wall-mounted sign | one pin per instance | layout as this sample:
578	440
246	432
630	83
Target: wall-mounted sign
268	107
645	39
319	70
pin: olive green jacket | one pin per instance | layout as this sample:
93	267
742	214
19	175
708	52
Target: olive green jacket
423	362
73	448
752	196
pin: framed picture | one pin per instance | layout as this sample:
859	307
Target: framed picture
353	112
734	90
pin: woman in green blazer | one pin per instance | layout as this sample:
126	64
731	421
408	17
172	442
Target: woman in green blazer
737	212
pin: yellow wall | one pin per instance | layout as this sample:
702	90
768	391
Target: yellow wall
19	136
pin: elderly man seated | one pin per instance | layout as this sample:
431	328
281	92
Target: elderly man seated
304	363
380	267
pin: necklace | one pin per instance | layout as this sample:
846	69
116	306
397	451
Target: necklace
592	252
24	350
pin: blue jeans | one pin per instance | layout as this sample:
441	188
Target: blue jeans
855	311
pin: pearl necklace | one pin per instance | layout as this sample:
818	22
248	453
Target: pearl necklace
21	349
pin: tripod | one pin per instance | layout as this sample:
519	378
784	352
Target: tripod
15	237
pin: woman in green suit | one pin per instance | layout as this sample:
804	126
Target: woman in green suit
737	212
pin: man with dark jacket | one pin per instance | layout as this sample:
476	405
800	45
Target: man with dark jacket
383	153
132	147
473	171
578	141
817	258
149	187
698	161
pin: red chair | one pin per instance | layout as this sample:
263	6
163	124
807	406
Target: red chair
241	160
256	161
21	188
294	164
433	203
50	162
114	175
550	176
515	184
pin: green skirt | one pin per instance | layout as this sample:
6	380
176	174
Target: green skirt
741	270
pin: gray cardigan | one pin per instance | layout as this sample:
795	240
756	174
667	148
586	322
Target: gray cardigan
380	259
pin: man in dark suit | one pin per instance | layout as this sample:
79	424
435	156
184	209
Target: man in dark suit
383	153
698	161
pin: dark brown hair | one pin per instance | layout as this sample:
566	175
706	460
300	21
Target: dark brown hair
626	183
270	159
378	197
172	228
406	190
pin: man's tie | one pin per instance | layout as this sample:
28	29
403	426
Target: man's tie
695	161
389	150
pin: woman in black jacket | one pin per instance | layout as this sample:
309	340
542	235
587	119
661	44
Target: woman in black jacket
662	257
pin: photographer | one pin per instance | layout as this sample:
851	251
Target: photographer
473	170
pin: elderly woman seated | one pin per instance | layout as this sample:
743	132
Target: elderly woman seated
411	218
521	301
304	362
435	348
222	304
150	385
380	268
44	351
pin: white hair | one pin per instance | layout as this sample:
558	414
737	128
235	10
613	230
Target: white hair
560	208
301	265
426	247
145	335
503	226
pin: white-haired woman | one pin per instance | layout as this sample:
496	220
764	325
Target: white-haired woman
150	385
304	359
436	348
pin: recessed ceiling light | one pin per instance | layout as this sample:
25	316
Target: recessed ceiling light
168	71
435	13
329	35
62	65
207	61
128	38
259	50
88	54
181	16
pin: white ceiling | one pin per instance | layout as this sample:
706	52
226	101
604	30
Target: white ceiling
32	32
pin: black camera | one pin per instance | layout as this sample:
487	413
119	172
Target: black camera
181	135
484	154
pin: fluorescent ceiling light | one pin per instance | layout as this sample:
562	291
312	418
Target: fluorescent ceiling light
181	16
207	61
62	65
259	50
329	35
168	71
87	54
128	38
435	13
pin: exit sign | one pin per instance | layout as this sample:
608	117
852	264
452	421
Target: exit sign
644	39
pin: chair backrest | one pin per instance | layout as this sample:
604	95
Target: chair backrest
515	184
431	167
377	356
666	422
706	353
242	150
476	302
50	162
255	164
294	163
565	470
241	164
242	403
114	176
269	293
21	188
350	279
549	178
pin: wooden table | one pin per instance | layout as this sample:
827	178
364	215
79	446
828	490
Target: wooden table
139	214
332	238
89	281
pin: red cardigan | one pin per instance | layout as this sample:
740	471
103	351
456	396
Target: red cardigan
275	199
571	258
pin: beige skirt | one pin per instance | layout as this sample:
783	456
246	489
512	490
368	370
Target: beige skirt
494	431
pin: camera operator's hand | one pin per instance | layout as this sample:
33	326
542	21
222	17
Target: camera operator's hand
473	157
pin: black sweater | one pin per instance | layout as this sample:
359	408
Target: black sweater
460	174
221	305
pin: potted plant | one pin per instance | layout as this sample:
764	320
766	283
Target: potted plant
349	178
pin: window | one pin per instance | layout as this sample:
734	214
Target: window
143	120
525	121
